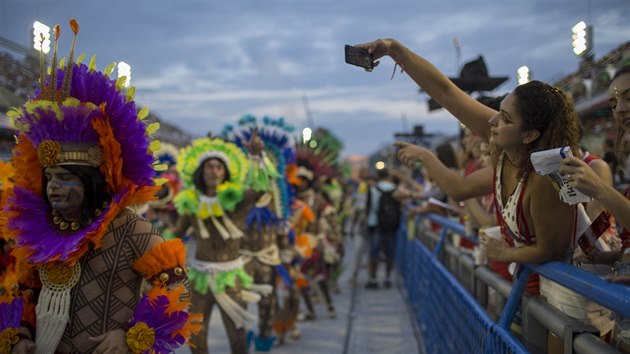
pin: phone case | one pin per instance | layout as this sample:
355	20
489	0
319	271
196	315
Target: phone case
359	57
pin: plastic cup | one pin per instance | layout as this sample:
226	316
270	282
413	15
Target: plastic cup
493	232
457	240
479	255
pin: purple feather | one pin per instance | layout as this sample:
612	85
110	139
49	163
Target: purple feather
76	126
36	232
11	314
153	313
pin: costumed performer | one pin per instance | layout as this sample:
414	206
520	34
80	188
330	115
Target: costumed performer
221	185
83	155
266	221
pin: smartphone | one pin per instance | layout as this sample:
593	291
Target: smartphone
359	57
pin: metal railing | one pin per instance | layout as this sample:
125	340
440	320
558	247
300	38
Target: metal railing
461	307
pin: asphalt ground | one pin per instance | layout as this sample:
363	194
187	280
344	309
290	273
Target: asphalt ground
368	321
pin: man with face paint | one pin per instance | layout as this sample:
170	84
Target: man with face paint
221	185
83	156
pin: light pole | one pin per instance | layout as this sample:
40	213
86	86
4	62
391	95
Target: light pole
41	37
523	75
124	69
307	134
582	40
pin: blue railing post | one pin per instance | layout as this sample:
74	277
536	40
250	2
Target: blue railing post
440	244
515	297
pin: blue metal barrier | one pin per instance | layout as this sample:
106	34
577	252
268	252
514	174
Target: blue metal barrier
613	296
449	318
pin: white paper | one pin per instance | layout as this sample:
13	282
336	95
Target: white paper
547	163
441	204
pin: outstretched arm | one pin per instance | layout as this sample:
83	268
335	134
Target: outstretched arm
451	182
469	111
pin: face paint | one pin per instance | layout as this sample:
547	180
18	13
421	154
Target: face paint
65	192
213	172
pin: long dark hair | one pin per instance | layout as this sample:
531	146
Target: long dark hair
550	111
446	154
198	181
95	187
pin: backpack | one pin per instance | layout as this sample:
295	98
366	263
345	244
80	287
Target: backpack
388	211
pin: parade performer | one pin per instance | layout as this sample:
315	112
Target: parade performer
317	266
161	211
266	222
298	246
221	185
83	155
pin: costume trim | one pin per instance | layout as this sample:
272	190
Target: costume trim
11	310
269	255
53	305
217	276
160	323
156	264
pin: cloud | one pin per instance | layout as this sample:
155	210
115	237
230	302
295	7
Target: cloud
201	64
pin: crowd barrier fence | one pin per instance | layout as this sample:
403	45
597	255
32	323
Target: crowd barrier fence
463	308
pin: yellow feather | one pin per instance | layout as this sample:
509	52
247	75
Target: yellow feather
144	112
14	113
161	167
160	181
62	63
154	146
108	70
131	93
203	211
80	59
153	127
92	65
216	209
120	83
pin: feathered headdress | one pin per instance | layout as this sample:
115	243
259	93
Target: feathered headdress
78	116
319	156
167	156
229	193
279	147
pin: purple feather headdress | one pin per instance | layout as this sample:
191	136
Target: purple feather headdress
84	118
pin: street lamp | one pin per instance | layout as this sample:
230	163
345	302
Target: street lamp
307	134
582	39
379	165
124	69
41	37
522	75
